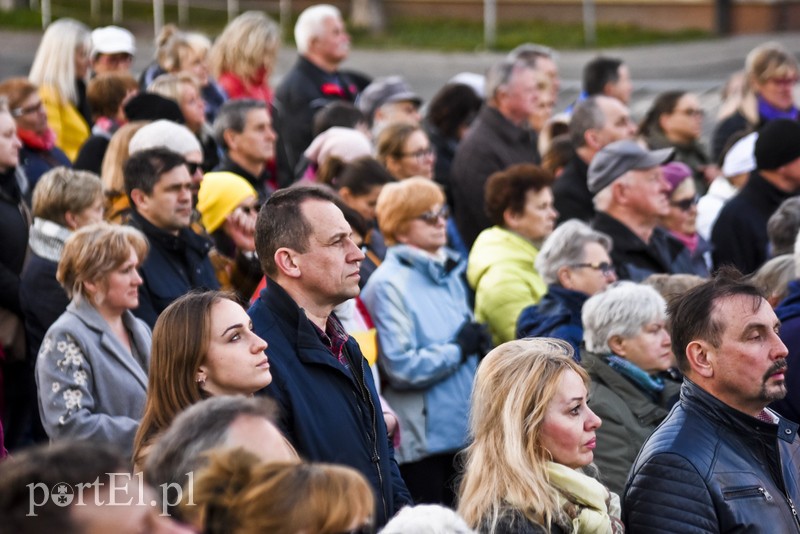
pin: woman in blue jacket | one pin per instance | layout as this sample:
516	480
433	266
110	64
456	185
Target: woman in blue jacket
429	343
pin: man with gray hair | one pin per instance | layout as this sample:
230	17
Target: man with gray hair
595	122
543	59
243	129
788	312
323	44
500	136
630	194
224	422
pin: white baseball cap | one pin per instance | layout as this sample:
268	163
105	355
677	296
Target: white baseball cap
112	40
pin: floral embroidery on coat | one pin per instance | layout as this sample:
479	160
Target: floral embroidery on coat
71	363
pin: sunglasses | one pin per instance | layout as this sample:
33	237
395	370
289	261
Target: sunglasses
605	267
685	204
251	210
193	167
433	216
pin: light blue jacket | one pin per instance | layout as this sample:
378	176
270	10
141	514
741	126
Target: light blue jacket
418	305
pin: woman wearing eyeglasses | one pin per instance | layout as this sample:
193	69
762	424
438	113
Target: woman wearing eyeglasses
501	269
681	222
627	349
228	207
429	344
575	263
675	120
405	150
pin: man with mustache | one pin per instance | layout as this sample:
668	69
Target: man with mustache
721	461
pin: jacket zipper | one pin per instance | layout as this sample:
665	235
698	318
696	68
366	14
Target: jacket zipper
794	511
747	492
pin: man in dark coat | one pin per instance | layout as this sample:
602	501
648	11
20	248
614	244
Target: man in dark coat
330	410
721	461
499	137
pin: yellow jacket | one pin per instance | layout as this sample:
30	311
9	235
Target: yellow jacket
66	122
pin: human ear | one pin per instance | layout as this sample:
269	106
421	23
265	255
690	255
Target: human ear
564	276
617	345
701	358
285	261
69	218
139	198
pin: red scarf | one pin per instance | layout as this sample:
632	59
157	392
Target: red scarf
30	139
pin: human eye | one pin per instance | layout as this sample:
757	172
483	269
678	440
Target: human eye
575	410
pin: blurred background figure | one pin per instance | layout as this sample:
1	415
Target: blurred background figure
237	494
575	264
113	49
532	433
91	371
39	152
330	151
519	202
117	205
59	69
387	101
426	519
627	349
405	151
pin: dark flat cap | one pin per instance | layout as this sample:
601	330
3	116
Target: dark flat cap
619	157
778	143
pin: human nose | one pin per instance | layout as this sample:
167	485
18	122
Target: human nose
259	344
666	340
593	422
611	276
780	350
356	252
137	278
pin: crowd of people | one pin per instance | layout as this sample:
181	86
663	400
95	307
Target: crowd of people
237	308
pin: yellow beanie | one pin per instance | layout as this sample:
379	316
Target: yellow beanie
220	194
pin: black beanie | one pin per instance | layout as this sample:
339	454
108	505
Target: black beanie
778	143
152	107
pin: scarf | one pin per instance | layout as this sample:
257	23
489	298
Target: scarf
652	385
30	139
590	507
47	239
689	241
768	112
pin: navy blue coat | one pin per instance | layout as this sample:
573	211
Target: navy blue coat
37	162
788	311
557	315
327	412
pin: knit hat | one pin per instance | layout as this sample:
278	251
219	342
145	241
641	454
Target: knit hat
167	134
740	158
220	194
778	143
346	144
112	40
675	172
384	91
619	157
151	107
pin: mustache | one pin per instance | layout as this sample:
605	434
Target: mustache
778	366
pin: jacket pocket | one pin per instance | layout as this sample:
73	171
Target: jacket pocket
746	492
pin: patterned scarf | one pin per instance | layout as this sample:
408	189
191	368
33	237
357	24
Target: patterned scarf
590	507
652	385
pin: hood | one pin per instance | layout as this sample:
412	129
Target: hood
498	245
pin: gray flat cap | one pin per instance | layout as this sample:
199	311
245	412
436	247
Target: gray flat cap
383	91
619	157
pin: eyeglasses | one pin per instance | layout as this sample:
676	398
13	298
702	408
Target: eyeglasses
605	267
33	108
432	217
193	166
789	80
115	59
691	112
422	153
251	210
685	204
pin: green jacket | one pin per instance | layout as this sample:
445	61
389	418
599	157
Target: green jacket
629	417
501	272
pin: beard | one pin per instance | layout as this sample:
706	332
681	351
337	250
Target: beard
776	391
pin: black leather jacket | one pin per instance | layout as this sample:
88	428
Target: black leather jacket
710	468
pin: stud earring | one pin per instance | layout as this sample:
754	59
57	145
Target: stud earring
202	382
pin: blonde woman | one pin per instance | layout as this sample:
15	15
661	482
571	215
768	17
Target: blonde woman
59	69
243	56
532	432
117	205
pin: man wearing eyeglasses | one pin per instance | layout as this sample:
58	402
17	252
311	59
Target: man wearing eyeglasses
740	235
630	195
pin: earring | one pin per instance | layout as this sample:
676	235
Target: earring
202	382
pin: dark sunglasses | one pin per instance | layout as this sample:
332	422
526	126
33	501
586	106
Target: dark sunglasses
251	210
685	204
605	267
193	167
433	216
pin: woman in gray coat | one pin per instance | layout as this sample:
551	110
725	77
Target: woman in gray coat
91	370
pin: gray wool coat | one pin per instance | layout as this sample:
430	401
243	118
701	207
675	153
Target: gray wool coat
90	386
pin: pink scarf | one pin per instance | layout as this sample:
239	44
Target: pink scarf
689	241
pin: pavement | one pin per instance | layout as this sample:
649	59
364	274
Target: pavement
700	66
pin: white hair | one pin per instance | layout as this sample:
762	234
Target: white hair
427	519
54	63
621	310
566	246
310	24
167	134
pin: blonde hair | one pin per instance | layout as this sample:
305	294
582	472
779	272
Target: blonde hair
169	85
94	251
392	140
237	494
248	43
400	202
505	463
116	156
54	64
61	190
769	60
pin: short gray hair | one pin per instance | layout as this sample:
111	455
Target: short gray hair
531	52
233	116
586	116
309	24
782	227
427	519
566	246
501	74
773	278
621	310
201	427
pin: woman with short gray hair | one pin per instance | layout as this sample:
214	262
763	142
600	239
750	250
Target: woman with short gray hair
627	349
575	264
